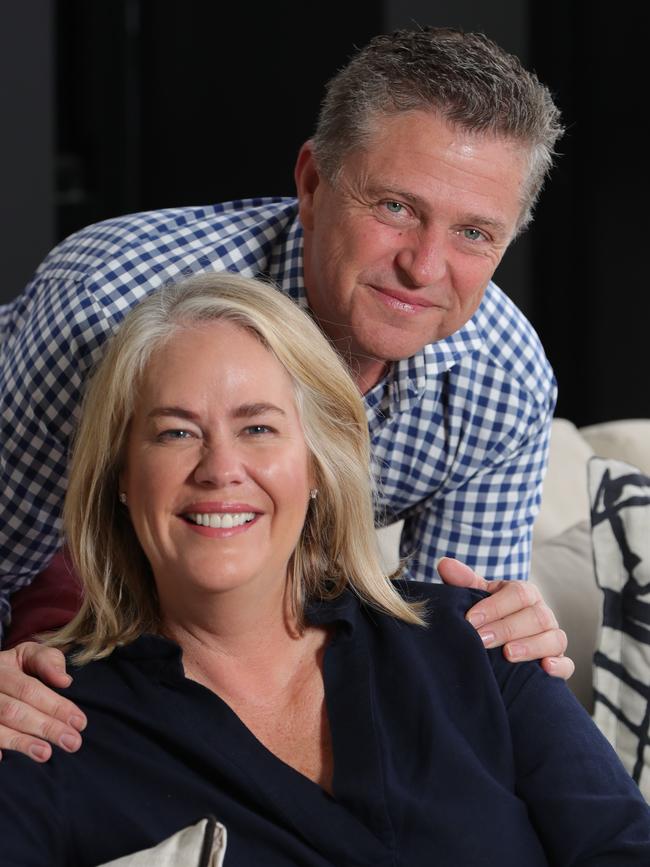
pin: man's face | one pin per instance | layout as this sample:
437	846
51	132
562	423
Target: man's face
399	251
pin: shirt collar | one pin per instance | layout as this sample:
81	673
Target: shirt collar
163	655
405	383
342	611
285	267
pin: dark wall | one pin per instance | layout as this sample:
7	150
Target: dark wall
134	104
590	285
27	210
165	103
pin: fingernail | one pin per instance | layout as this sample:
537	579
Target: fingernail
515	651
487	638
70	742
477	619
77	722
39	753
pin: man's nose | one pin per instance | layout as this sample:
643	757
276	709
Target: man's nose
422	258
219	465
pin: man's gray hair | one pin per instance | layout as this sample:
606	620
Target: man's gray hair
466	78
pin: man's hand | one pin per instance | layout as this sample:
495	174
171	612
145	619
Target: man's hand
515	616
30	713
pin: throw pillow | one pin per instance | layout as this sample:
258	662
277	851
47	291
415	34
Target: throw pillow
200	845
620	522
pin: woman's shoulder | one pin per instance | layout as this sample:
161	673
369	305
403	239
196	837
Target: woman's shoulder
147	659
446	632
442	604
443	596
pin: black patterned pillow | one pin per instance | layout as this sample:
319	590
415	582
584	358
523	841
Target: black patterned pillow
620	528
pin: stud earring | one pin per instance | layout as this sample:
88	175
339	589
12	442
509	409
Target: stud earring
122	498
313	493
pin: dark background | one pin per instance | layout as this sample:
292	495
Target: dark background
113	106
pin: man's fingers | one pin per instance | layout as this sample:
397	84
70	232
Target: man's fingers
27	730
45	663
30	714
454	572
37	749
506	598
558	666
525	627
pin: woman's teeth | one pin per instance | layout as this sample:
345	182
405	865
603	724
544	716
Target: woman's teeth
220	520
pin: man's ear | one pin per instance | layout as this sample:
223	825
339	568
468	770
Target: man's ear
307	180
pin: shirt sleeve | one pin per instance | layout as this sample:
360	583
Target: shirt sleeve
51	345
487	519
585	807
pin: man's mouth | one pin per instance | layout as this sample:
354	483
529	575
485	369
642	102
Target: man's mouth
405	302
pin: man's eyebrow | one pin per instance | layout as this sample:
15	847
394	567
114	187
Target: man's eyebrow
482	220
245	410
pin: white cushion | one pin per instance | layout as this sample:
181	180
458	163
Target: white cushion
562	568
200	845
564	496
625	440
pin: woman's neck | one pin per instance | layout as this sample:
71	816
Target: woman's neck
270	674
238	639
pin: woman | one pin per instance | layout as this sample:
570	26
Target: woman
241	654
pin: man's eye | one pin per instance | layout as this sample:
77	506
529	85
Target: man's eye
394	207
473	234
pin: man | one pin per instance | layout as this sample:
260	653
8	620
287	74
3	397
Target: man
430	151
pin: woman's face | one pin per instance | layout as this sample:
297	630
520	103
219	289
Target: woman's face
217	472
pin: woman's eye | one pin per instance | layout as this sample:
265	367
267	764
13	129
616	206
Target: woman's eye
256	429
175	434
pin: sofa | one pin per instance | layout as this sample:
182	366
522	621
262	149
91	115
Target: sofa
563	555
591	561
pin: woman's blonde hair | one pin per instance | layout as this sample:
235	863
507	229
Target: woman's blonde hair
338	546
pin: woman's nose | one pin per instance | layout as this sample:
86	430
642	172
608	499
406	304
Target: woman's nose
219	465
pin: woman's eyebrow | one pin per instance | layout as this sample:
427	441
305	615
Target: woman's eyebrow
249	410
245	410
175	411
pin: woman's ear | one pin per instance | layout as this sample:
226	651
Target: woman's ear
307	180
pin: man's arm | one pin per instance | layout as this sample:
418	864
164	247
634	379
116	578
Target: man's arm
52	341
486	523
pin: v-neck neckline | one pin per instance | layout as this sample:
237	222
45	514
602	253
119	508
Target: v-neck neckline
357	809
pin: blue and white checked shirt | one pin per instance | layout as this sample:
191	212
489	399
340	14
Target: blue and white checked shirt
459	431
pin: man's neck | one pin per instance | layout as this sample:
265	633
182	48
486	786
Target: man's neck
367	372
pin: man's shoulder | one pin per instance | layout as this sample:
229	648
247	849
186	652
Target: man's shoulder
511	344
170	239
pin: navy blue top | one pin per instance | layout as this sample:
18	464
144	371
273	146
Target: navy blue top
444	754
